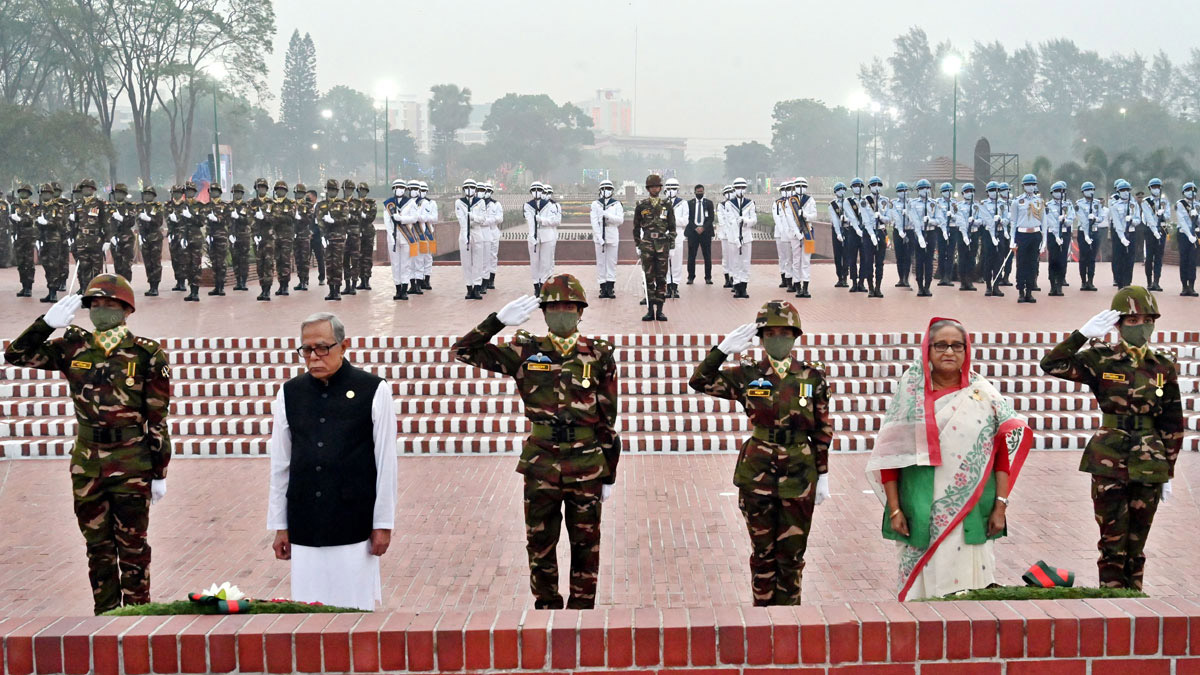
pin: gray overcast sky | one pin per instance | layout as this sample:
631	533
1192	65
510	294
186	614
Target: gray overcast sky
706	68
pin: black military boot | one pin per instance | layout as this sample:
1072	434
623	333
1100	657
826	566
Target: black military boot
1055	289
728	281
283	287
401	292
1029	295
194	295
239	284
26	291
804	290
414	288
537	290
658	314
876	292
302	285
429	287
179	285
216	290
649	315
783	281
841	283
741	290
52	295
349	289
923	290
365	285
1191	290
470	294
334	293
603	290
480	290
672	291
996	292
152	292
967	286
265	296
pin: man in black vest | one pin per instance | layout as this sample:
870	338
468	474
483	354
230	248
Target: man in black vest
699	233
332	500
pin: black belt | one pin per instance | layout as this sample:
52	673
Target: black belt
780	436
1128	422
562	433
109	435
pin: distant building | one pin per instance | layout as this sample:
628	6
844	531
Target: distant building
409	114
610	113
473	133
672	149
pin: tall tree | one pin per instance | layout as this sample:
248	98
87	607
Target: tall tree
347	136
808	137
449	111
298	97
536	131
747	159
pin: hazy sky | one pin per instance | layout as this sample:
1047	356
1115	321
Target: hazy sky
705	69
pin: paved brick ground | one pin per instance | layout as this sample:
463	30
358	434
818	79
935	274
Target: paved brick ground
672	535
703	309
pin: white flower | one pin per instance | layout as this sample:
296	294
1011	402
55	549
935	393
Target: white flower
225	592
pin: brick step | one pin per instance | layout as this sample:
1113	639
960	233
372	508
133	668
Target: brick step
18	447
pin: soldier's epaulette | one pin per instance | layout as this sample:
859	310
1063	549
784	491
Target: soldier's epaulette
151	346
602	346
75	334
524	337
815	365
1169	354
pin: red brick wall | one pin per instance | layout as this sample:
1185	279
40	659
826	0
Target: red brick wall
1081	636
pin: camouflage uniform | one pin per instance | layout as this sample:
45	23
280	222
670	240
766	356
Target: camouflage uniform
150	233
303	246
123	236
65	207
241	235
24	238
5	232
51	239
195	239
335	234
366	243
778	466
353	237
654	236
264	239
93	229
284	224
1142	433
176	233
215	216
571	402
121	400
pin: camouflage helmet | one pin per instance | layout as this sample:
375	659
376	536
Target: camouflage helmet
177	189
189	185
347	184
87	182
45	187
119	187
25	187
1135	300
109	286
280	185
214	188
778	313
363	187
149	190
654	180
238	187
299	188
56	185
563	288
260	182
331	184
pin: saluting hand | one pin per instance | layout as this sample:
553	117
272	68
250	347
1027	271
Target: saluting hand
63	312
518	311
1101	324
739	340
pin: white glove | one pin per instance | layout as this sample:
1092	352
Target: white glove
16	219
234	214
1192	213
362	214
822	488
158	490
42	220
841	238
63	311
297	216
37	245
173	217
328	218
145	217
187	213
324	242
106	247
1101	324
1043	247
739	339
118	217
232	239
212	217
209	239
70	218
113	241
518	311
184	242
257	240
921	242
1166	492
607	490
259	214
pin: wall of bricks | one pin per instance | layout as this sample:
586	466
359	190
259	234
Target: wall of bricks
1080	636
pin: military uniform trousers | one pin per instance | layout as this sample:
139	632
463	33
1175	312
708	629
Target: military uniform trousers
1029	245
350	255
1087	255
945	256
923	255
1187	260
241	254
284	254
727	262
903	246
89	253
866	258
54	263
302	253
195	255
1123	259
801	260
23	254
152	258
606	255
264	248
334	254
113	514
675	258
1154	247
852	242
839	258
178	258
993	257
968	253
779	531
473	259
123	253
541	255
545	503
218	253
879	255
1009	260
318	250
366	252
655	260
787	264
1124	511
1057	255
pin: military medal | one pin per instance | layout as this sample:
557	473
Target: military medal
803	402
1159	391
130	369
587	372
350	394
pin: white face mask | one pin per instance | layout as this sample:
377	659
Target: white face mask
487	194
840	193
801	189
424	192
671	192
874	189
1190	194
991	194
857	189
1030	189
969	196
399	192
902	195
413	192
1156	191
1124	194
1058	194
1089	193
924	192
537	194
741	192
606	193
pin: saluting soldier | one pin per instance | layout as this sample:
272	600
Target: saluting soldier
302	249
284	221
1132	456
121	387
1189	227
176	227
368	211
24	238
264	239
782	472
568	384
654	236
216	214
124	219
193	241
240	235
150	231
353	235
331	216
1089	218
51	235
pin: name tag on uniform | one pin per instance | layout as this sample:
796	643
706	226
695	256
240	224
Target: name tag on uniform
1114	377
94	212
82	365
538	362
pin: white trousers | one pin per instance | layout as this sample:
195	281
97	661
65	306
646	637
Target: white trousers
784	248
541	258
493	253
606	261
739	256
675	260
726	258
473	260
801	260
402	264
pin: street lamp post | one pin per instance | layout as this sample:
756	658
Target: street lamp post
875	107
385	90
951	65
857	102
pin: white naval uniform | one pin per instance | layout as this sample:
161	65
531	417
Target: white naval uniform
742	219
806	206
398	244
472	250
784	237
606	218
542	216
428	220
346	576
495	216
675	255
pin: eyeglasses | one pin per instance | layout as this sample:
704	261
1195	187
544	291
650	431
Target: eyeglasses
306	351
943	347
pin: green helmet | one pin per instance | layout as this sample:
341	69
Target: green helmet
778	313
563	288
653	180
1135	300
109	286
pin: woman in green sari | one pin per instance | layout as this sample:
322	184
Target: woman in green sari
943	463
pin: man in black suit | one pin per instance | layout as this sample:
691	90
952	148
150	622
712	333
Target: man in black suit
699	232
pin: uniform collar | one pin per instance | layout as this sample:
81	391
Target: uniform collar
110	339
781	368
564	345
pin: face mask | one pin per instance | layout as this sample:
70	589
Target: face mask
699	195
857	190
991	194
413	192
924	192
399	192
147	198
487	195
741	192
802	189
562	323
1030	189
1189	194
1089	193
280	194
1137	335
840	193
105	318
1124	195
606	193
1156	191
969	196
537	194
88	192
262	192
779	347
902	195
120	197
1058	195
874	189
424	192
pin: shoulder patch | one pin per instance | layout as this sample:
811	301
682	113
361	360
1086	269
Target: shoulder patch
1169	355
149	345
75	333
815	365
524	337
